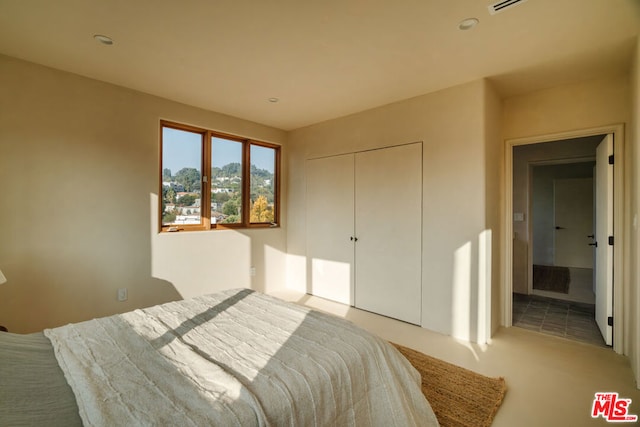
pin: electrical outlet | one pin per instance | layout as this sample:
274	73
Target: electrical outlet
252	271
122	294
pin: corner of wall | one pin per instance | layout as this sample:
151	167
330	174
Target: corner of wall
494	199
633	319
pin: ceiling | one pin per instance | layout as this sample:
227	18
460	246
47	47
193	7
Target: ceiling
321	59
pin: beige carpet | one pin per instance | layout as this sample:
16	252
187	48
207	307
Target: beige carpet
459	397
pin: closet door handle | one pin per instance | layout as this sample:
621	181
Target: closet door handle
353	239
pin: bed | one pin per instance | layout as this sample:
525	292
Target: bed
237	357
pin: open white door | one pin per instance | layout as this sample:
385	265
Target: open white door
603	230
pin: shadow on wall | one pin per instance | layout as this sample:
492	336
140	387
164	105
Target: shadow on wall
198	263
48	288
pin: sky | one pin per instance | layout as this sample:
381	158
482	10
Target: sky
183	149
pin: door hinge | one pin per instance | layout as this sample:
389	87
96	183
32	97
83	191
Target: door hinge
611	159
610	320
610	240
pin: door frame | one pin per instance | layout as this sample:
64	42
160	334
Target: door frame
618	221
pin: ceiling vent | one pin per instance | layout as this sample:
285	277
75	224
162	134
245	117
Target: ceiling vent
504	5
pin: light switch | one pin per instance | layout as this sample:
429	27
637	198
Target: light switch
518	216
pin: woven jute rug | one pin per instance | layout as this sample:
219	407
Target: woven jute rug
458	396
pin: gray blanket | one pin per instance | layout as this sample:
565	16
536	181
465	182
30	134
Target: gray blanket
33	391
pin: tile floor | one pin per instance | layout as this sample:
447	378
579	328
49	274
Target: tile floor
571	320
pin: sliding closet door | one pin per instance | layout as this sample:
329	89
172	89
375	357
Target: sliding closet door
330	216
389	230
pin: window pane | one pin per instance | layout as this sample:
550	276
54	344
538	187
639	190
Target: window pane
226	181
181	176
263	189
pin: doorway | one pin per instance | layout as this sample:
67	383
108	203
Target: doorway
562	209
564	163
560	297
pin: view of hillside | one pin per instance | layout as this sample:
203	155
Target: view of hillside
181	195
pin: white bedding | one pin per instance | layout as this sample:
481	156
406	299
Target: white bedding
236	358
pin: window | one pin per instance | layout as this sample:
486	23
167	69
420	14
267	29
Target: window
226	181
238	188
262	184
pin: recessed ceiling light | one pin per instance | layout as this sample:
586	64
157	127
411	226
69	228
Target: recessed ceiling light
103	39
274	100
468	24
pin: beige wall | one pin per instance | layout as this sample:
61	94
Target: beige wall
494	200
459	194
79	173
632	299
566	108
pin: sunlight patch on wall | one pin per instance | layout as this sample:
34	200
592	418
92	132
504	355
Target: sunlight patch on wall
274	277
296	273
471	290
461	292
331	280
484	287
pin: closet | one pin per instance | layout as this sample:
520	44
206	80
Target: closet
364	230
